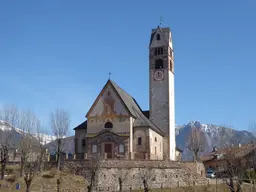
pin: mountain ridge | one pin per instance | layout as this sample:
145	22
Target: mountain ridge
211	135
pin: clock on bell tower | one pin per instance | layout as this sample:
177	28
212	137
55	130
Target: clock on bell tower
161	92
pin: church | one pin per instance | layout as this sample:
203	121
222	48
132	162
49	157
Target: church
116	126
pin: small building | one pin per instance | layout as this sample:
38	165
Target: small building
241	155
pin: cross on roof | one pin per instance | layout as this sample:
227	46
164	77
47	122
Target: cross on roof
161	20
109	74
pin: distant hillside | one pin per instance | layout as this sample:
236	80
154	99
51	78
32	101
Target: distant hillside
212	136
67	146
6	129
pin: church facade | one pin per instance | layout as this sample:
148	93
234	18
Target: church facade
116	126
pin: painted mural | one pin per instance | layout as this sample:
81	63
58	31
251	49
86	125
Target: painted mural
119	134
109	105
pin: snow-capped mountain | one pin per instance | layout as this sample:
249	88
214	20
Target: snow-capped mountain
211	136
16	133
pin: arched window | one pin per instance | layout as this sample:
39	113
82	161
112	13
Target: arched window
139	140
155	139
159	64
159	51
83	142
108	125
158	37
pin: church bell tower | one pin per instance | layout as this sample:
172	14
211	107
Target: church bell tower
161	91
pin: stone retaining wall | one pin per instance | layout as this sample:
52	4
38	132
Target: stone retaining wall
165	174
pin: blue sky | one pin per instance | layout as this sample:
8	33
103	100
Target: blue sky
58	54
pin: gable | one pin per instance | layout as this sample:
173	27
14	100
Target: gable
108	104
165	38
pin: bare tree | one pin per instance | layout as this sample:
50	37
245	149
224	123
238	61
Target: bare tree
10	115
88	171
236	158
252	161
30	170
93	171
195	143
27	124
121	175
60	122
41	148
146	175
4	151
30	147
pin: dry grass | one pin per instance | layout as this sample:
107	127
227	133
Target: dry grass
209	188
46	182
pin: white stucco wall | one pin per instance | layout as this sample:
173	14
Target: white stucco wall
172	138
156	145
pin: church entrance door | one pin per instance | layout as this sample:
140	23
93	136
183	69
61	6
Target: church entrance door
108	149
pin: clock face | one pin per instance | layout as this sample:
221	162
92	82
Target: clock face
159	75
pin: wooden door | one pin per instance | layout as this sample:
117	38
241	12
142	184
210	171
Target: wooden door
108	150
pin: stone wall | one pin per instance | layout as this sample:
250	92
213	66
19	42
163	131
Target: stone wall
196	167
165	174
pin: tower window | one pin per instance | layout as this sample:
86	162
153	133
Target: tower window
158	37
159	64
155	139
139	141
159	51
108	125
83	142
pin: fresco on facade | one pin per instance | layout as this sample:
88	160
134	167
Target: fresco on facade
124	134
109	105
